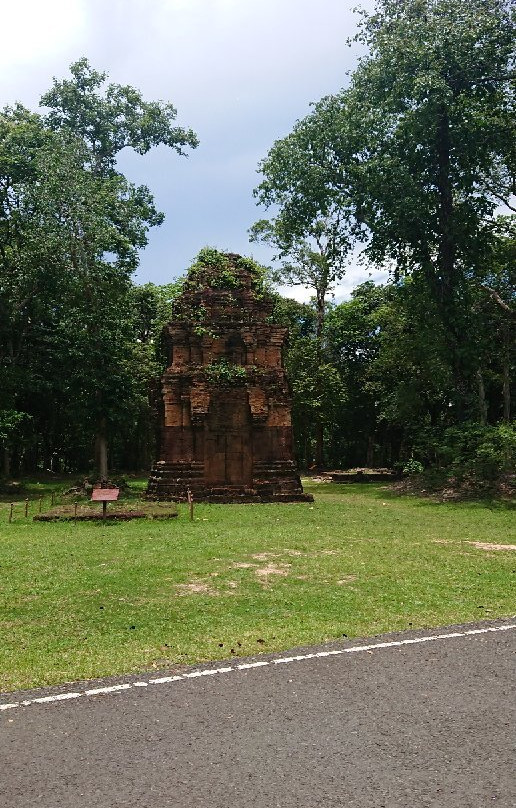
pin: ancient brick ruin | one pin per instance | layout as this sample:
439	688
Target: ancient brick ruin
226	430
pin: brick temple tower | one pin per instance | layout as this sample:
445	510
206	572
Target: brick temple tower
226	429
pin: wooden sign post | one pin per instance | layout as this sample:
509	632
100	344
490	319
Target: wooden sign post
104	495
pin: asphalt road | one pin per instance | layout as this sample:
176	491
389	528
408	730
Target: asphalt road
421	724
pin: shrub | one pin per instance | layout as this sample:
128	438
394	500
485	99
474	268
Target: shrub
225	374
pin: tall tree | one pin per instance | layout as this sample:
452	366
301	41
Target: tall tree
111	117
313	251
71	226
435	90
416	153
317	262
108	118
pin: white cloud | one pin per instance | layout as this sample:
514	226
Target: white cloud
35	29
342	291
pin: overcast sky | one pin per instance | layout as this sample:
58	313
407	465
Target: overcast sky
239	72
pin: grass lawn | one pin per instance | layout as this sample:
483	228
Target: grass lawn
86	600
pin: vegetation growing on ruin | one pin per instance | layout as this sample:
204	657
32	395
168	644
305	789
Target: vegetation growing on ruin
223	373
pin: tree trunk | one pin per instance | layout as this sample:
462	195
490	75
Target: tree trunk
370	452
506	370
320	312
101	454
482	404
450	306
307	448
319	429
446	257
506	394
6	461
319	446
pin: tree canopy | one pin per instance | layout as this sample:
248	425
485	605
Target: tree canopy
412	161
71	228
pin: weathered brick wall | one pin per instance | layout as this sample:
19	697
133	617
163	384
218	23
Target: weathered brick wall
226	429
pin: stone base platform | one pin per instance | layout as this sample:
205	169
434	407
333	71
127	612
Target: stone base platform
277	483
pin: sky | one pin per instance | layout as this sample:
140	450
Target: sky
239	72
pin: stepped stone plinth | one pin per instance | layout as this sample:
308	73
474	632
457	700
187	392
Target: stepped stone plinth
225	405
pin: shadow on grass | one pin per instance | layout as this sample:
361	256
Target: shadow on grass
381	491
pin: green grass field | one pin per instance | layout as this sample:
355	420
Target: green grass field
86	600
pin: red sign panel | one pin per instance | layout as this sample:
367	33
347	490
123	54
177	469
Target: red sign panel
104	494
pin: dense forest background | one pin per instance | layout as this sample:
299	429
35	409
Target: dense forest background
413	164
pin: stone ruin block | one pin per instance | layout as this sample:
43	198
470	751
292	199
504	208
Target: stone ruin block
226	432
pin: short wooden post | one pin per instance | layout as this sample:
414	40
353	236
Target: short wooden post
190	504
26	508
11	512
104	509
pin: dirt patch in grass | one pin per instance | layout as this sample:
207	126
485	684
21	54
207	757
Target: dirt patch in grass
347	580
267	556
263	573
481	545
196	588
265	567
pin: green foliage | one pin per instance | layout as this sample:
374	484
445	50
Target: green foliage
211	268
73	337
318	393
473	454
317	387
209	258
316	260
111	118
261	276
222	373
218	270
298	317
11	422
413	467
413	157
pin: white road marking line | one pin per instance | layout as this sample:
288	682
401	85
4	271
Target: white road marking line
354	649
59	697
96	691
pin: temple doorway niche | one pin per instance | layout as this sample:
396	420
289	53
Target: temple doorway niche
228	457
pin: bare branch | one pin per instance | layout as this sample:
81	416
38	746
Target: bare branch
496	297
500	198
